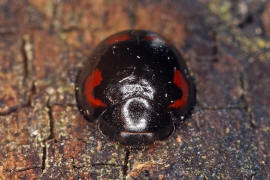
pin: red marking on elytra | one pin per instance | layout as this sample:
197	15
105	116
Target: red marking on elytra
181	83
118	38
91	82
149	38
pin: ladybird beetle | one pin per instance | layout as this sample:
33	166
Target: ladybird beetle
137	86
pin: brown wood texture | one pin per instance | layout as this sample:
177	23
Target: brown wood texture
226	44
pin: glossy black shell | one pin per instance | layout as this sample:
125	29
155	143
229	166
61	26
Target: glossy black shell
129	85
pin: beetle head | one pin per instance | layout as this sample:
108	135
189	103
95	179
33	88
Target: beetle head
136	121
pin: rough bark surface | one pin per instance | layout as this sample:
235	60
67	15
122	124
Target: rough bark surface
225	43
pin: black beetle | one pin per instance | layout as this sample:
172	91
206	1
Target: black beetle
137	86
